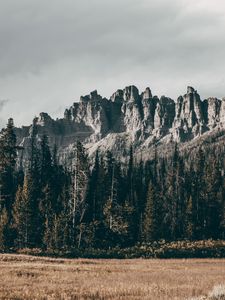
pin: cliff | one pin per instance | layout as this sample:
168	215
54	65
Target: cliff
130	117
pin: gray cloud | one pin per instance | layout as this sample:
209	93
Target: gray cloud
53	51
3	102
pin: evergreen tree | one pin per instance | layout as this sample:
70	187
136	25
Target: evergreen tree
213	198
96	201
110	204
130	178
32	189
198	196
150	221
49	190
171	203
46	162
4	228
181	195
47	215
23	216
94	197
8	156
62	230
131	205
140	197
189	219
80	173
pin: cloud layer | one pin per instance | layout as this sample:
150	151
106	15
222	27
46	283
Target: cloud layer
53	51
3	102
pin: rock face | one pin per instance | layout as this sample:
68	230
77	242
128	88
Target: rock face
129	117
189	120
222	112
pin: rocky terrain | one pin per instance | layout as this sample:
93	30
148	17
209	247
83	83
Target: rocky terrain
130	117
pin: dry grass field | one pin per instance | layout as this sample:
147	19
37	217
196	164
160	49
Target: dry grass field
29	277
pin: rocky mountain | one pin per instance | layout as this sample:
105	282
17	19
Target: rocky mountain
130	117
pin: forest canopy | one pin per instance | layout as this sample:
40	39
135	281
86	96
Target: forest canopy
104	204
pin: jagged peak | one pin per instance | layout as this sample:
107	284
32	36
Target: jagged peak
191	90
93	96
141	117
117	96
43	118
212	99
44	115
131	93
147	94
165	99
67	114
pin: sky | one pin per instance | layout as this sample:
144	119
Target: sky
54	51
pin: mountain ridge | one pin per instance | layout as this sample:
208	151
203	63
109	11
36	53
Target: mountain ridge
129	117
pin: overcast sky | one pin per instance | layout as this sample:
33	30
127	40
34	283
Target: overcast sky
53	51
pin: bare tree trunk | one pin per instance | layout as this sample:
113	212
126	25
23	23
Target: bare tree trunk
80	236
111	200
75	189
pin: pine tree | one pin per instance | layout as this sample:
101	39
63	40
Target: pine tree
189	232
59	178
130	178
46	162
48	194
80	173
23	216
4	227
180	195
47	214
131	210
139	198
94	197
96	202
171	203
62	230
199	198
213	197
222	221
150	221
8	156
32	189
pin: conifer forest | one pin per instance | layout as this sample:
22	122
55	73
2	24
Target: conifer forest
103	203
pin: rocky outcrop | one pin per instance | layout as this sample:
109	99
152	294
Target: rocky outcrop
189	120
212	111
137	118
143	114
222	112
164	115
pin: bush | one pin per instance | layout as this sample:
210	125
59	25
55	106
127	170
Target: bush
160	249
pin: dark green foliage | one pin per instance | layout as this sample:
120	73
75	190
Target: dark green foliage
151	229
108	204
4	228
8	155
23	215
7	166
189	225
161	249
96	191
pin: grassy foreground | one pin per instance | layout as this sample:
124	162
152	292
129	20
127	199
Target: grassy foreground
30	277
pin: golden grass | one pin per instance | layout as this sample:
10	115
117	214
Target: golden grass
29	277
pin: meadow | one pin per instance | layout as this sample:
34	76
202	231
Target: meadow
31	277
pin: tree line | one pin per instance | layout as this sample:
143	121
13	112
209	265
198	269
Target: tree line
104	204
